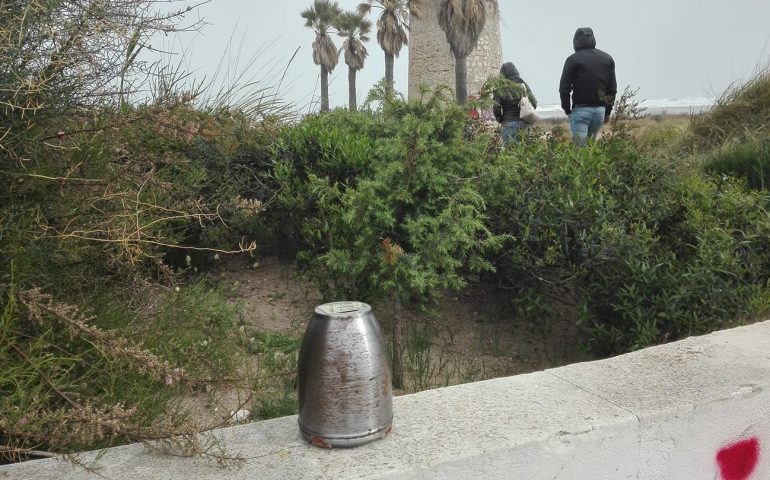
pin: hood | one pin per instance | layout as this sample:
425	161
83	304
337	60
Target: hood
509	71
584	38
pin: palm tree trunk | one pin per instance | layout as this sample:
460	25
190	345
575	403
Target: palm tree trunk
461	80
352	89
389	61
324	89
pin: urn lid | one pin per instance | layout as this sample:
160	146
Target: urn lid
342	309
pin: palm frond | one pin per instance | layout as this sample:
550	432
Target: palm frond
355	54
364	8
325	52
393	22
322	17
462	21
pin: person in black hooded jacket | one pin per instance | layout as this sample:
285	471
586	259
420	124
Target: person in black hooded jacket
589	74
506	106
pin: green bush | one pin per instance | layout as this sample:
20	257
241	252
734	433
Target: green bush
748	160
650	256
387	210
386	205
130	193
325	152
702	271
644	251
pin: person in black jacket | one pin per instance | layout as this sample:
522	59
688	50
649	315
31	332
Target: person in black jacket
589	74
506	106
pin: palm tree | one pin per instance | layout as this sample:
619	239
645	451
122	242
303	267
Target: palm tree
356	29
462	21
320	17
391	28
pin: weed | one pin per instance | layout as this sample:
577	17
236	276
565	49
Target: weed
274	381
424	367
277	405
748	160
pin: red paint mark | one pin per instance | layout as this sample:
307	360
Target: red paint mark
319	442
738	461
389	430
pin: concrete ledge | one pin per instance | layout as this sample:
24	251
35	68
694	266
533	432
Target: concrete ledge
695	409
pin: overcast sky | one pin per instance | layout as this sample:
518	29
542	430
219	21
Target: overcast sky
666	48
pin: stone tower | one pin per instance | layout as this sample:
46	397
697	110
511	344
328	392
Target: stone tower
431	62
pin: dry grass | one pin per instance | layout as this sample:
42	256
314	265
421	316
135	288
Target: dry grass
741	112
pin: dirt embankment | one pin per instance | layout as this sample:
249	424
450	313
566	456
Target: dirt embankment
468	336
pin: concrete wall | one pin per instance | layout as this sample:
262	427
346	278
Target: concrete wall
698	409
431	62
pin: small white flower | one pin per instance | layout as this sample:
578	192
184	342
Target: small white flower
176	289
188	259
216	256
204	343
251	339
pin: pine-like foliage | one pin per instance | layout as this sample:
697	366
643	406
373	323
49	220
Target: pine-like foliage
390	207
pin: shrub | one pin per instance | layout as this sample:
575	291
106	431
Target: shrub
625	113
387	210
649	255
66	384
94	195
332	151
393	191
699	271
643	250
108	373
748	160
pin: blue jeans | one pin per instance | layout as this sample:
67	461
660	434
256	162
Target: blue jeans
511	130
585	123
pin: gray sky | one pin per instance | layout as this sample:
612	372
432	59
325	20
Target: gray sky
666	48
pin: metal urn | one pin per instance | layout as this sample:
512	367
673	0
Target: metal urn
344	379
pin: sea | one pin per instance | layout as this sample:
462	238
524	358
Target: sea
661	106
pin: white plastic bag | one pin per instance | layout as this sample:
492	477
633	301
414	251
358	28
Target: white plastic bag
527	111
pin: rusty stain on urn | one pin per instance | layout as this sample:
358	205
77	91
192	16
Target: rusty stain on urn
319	442
344	386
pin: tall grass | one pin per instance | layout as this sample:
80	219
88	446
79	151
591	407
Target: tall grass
254	88
742	111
